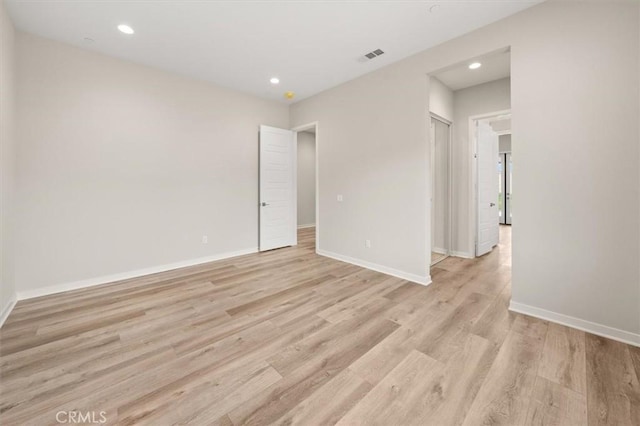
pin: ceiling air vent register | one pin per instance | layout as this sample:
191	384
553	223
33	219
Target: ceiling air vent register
370	55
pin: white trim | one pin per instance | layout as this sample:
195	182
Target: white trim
6	310
105	279
378	268
303	127
440	118
473	182
584	325
311	225
462	254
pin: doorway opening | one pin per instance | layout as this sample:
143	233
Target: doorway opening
464	93
307	226
440	189
492	177
505	184
282	181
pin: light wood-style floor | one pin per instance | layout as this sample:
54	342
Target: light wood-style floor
436	257
289	337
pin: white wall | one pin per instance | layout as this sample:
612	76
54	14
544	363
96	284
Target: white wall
581	143
306	179
570	256
7	158
123	167
374	154
480	99
440	99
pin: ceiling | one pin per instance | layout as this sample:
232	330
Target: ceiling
309	45
501	125
495	66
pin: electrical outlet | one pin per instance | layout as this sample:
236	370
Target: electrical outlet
205	239
340	197
367	243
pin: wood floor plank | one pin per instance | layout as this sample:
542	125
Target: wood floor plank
374	365
204	401
75	329
634	352
103	305
201	371
450	334
329	403
323	359
613	392
405	292
279	297
348	308
419	310
222	421
398	398
504	396
459	383
356	334
496	321
554	405
42	409
534	328
563	358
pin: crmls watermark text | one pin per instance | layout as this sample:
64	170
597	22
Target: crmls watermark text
71	417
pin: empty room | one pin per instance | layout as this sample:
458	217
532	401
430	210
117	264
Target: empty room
303	212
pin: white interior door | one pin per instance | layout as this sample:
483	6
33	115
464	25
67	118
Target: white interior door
488	227
277	188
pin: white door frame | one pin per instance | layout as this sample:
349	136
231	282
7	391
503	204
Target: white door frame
297	129
473	182
450	192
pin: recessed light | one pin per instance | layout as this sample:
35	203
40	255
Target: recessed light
125	29
275	80
434	8
475	65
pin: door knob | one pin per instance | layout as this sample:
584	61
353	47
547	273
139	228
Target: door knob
491	204
264	204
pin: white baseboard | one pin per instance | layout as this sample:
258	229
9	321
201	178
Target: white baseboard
59	288
310	225
426	280
580	324
439	250
462	254
7	308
